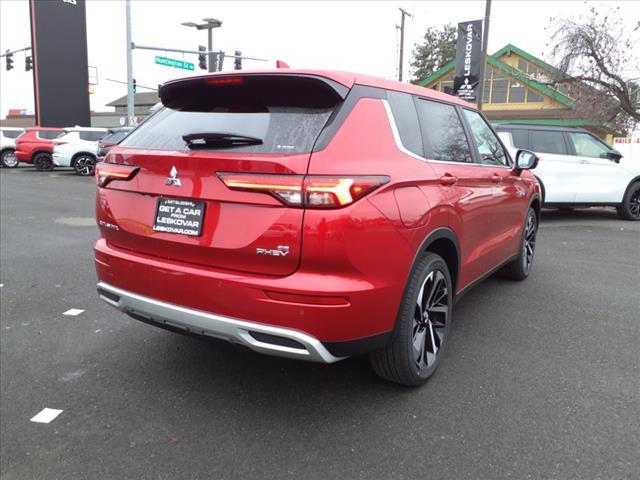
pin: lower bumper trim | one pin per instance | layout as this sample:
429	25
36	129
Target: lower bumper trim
267	339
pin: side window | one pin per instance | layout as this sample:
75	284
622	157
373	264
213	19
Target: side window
442	132
489	147
404	112
520	138
547	141
587	146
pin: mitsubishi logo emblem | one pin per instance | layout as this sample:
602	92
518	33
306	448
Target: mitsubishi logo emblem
173	179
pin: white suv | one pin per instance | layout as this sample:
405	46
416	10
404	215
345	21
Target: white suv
576	168
8	137
77	147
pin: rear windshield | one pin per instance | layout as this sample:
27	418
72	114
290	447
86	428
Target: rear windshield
11	133
49	134
269	115
114	138
91	136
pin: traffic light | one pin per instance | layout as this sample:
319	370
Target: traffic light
9	59
238	61
28	63
134	86
202	58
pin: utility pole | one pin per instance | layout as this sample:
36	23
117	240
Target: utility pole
130	97
403	13
483	56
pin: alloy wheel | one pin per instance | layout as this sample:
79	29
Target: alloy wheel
9	159
634	204
84	166
430	319
529	246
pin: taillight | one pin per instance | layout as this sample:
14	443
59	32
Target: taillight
59	143
106	172
313	191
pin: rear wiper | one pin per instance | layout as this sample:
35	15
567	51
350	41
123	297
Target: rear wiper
219	140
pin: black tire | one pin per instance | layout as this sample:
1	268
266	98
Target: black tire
542	190
520	268
420	337
630	208
8	159
43	162
84	165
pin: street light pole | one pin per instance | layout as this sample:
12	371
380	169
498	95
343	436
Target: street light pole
483	56
130	97
209	24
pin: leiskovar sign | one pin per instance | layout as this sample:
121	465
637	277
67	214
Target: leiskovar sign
467	75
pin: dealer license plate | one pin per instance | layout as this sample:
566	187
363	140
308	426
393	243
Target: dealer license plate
182	217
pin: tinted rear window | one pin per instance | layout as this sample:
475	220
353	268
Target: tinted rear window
49	134
286	113
520	138
114	138
91	136
11	133
443	133
547	141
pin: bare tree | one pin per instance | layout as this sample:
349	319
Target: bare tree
599	64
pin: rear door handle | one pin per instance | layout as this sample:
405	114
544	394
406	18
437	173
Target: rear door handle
495	178
583	161
447	180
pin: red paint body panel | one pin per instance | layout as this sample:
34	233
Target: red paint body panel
28	144
362	253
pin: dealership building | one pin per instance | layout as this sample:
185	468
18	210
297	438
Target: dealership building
516	91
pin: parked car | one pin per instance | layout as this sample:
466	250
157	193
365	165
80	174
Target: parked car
77	147
312	215
577	168
35	146
8	137
115	136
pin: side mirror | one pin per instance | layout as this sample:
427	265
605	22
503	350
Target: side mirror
614	155
525	160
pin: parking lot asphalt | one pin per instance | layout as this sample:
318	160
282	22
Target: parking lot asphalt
541	378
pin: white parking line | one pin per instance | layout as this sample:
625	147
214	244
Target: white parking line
46	415
73	312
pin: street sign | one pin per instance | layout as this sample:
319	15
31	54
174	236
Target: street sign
172	62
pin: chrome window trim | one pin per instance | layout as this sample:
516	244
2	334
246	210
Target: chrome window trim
403	149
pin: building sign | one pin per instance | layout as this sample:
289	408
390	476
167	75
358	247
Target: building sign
60	73
468	52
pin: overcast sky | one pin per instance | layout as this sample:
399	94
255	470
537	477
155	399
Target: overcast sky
354	36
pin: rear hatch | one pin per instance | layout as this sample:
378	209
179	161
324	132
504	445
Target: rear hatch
176	206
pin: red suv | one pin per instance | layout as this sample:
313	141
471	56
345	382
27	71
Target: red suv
35	146
311	215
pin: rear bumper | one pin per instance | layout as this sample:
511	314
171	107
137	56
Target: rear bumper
358	325
266	339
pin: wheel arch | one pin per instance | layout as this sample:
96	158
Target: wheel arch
542	189
633	181
38	152
78	154
444	242
536	204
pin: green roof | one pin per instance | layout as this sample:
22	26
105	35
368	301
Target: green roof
494	61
